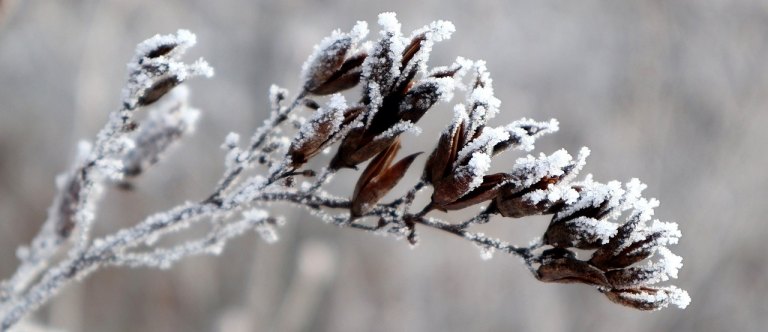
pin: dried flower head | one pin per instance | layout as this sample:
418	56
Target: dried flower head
393	99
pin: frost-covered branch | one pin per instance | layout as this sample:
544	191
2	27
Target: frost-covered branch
610	222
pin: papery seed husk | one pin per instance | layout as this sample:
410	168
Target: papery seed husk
381	185
486	191
441	159
564	234
158	90
376	166
624	297
327	63
571	270
418	100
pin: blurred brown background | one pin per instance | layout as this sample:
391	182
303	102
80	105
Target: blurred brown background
674	93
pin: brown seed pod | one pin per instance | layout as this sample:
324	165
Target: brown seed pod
379	178
326	63
561	266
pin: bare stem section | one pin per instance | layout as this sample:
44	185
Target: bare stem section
628	250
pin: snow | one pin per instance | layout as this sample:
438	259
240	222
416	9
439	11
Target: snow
478	165
670	263
337	101
488	138
530	170
597	229
397	129
594	194
359	31
678	297
523	138
445	87
389	24
231	141
441	30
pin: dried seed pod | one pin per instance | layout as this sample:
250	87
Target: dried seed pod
393	101
540	185
582	233
409	68
156	68
167	122
463	180
420	98
649	298
634	276
441	160
382	64
456	168
632	245
328	57
561	266
413	47
356	149
318	132
379	178
345	77
158	89
486	191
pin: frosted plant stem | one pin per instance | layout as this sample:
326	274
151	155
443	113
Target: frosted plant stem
324	176
276	118
48	241
628	257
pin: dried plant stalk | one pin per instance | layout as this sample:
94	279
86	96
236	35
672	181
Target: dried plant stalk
627	259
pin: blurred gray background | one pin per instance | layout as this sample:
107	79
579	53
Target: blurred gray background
672	92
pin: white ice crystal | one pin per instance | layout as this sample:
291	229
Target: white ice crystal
389	23
478	165
488	138
231	141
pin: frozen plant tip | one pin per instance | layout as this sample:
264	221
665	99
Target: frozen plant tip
600	234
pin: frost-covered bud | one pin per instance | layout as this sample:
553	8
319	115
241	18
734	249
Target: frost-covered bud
539	185
379	178
422	96
457	167
382	66
666	267
650	298
326	61
346	77
562	266
167	122
635	242
335	65
394	101
582	233
317	133
463	180
523	133
156	69
441	160
488	189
